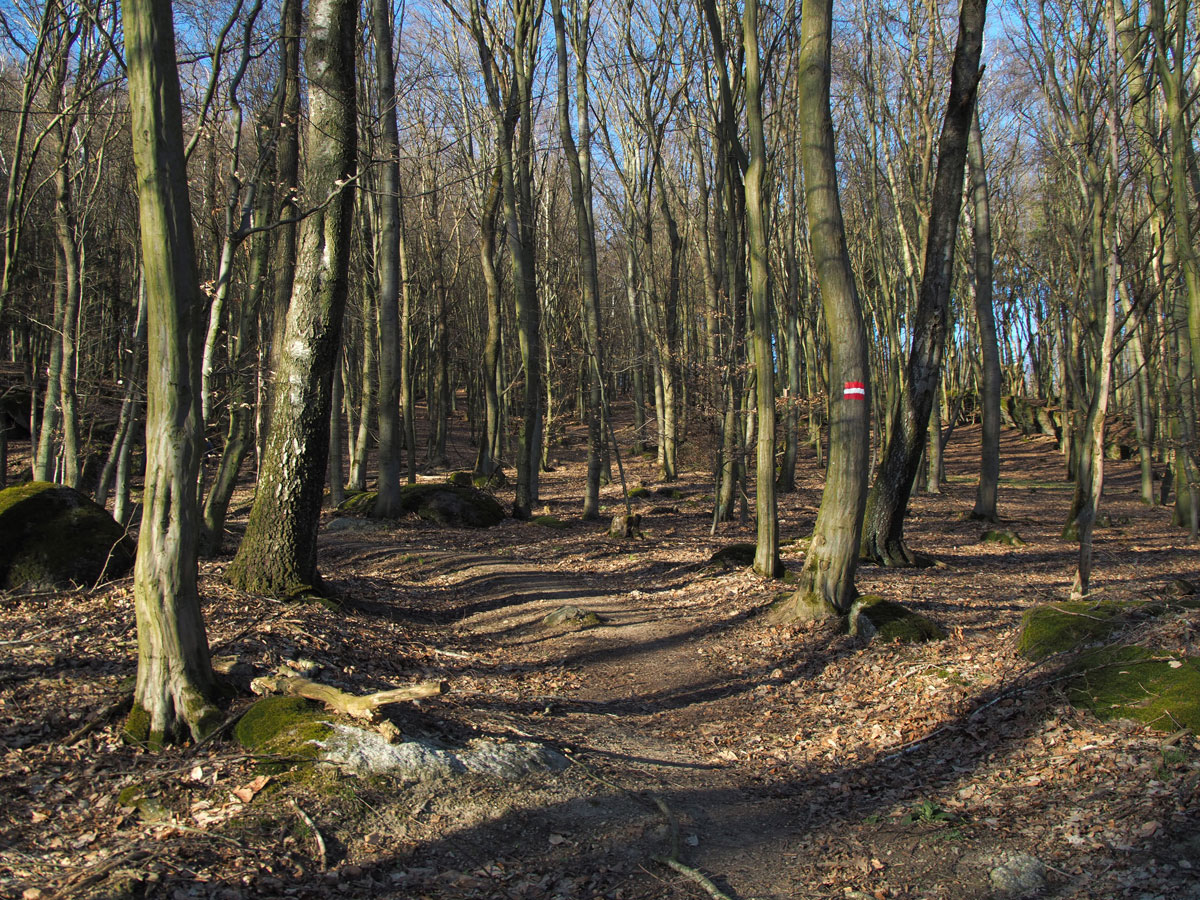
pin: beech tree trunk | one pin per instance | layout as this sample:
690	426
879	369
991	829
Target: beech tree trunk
387	264
827	580
985	316
175	680
887	504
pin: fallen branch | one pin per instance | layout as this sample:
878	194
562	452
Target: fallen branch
95	875
307	820
356	706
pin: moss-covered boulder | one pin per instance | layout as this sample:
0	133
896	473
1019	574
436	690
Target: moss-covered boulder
490	482
1002	536
740	556
572	617
462	479
624	528
447	504
875	619
549	521
1160	689
288	727
1060	627
52	538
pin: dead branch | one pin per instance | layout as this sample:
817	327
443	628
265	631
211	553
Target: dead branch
356	706
307	820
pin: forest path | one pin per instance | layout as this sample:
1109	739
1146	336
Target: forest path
643	699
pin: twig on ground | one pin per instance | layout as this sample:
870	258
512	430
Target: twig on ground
307	820
87	878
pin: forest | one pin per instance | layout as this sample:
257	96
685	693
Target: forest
556	448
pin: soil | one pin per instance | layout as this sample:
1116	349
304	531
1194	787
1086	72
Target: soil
784	761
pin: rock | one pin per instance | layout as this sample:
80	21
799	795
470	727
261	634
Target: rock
1059	627
346	523
574	616
1156	688
367	753
52	537
1019	875
740	556
625	527
287	726
1181	587
446	504
549	521
1001	536
873	618
462	479
490	482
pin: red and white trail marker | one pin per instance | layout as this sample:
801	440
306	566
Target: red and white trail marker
855	389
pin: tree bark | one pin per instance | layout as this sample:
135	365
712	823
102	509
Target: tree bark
887	504
278	555
175	680
387	264
766	556
985	316
827	580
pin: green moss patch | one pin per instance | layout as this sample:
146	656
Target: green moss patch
1060	627
1002	536
549	522
638	493
53	538
283	726
876	619
1157	689
452	505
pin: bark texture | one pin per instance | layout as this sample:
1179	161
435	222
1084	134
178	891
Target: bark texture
278	555
175	681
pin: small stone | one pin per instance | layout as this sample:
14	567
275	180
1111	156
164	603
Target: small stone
1020	875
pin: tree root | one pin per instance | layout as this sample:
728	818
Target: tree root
358	707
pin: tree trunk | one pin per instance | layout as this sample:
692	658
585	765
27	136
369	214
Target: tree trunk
985	316
278	554
766	556
827	579
883	532
387	264
175	681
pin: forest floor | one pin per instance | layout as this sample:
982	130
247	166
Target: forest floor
795	762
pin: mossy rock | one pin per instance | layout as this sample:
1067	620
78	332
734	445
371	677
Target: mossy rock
1135	683
1060	627
462	479
490	482
1002	536
360	504
875	619
740	556
572	617
446	504
290	727
670	493
52	537
625	527
639	493
549	522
